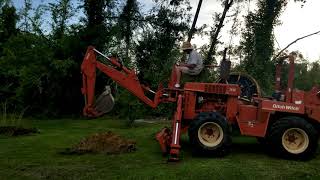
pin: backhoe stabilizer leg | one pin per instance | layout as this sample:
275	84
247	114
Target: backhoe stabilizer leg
164	139
176	129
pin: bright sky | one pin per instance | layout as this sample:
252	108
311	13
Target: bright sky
296	22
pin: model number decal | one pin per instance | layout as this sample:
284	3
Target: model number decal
285	107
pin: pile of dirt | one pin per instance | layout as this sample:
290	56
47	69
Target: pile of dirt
106	143
17	131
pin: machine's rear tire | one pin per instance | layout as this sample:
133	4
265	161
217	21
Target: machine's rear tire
293	138
209	134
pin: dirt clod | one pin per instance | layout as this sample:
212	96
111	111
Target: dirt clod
106	143
17	131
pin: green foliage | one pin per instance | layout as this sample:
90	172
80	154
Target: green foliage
40	66
155	54
158	48
25	15
305	75
129	20
8	22
36	76
41	71
257	41
97	28
60	12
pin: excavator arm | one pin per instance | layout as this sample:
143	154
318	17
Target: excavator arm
116	71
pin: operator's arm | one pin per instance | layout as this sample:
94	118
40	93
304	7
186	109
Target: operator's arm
192	60
183	59
188	65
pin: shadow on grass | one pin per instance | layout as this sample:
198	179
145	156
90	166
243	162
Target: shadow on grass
248	148
241	145
17	131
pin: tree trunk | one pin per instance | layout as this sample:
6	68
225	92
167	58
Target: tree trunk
214	37
194	21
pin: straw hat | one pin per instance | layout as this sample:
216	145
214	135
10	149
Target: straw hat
186	45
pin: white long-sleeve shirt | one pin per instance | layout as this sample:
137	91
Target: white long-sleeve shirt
195	58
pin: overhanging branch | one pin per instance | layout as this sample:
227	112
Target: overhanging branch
293	42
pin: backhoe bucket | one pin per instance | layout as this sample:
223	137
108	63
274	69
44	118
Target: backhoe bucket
105	101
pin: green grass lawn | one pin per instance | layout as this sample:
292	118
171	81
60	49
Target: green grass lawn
36	156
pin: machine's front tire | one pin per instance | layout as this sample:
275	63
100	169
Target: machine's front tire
293	138
209	134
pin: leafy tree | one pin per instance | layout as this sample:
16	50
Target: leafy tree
8	22
97	28
129	20
156	52
257	40
159	47
43	80
60	12
305	73
25	14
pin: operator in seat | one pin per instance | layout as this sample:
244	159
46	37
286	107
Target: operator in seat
193	63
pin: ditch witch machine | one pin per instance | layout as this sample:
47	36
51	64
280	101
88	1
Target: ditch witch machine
288	122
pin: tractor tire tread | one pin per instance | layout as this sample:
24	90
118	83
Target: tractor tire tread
274	139
198	149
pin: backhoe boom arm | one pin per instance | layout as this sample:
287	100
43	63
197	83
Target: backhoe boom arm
124	77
